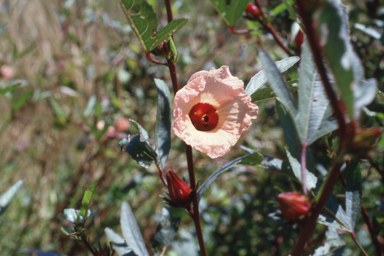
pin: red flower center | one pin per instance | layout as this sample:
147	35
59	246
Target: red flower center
204	117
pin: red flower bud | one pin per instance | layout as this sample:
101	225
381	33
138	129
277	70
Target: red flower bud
162	50
178	191
293	205
252	12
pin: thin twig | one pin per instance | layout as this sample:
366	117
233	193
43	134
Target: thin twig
303	163
148	56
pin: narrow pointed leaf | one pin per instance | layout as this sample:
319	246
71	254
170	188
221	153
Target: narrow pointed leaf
277	83
7	196
144	22
87	200
339	218
131	231
90	106
353	193
296	168
230	12
163	122
201	190
267	94
9	88
260	79
168	226
313	102
118	243
333	31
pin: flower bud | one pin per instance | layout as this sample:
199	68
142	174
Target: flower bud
162	50
297	37
293	205
252	12
178	191
6	72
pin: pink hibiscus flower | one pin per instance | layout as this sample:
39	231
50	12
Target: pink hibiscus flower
212	111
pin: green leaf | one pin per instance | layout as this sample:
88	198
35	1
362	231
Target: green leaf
9	88
313	117
260	79
368	30
380	94
144	23
7	196
296	168
201	190
333	32
282	7
277	83
3	27
339	217
73	215
118	243
267	94
87	200
90	105
186	244
230	12
288	5
168	227
332	240
163	122
131	231
57	108
271	163
353	193
19	103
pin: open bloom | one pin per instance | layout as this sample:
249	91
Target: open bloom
212	111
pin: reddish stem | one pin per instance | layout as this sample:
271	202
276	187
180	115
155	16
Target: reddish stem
234	31
303	163
148	56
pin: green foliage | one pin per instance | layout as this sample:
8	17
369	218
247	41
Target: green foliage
144	23
230	12
87	200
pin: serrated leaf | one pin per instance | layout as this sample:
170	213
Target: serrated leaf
230	12
260	79
131	231
333	32
144	23
163	122
167	228
118	243
267	94
296	168
90	105
87	200
339	217
201	190
9	88
40	253
333	242
353	193
314	111
277	83
7	196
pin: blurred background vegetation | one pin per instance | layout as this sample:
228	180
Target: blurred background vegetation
83	72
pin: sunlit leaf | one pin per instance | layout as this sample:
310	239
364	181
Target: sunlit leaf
168	226
163	122
185	245
230	10
368	30
7	196
90	106
267	94
144	22
118	243
260	79
311	179
353	193
313	118
333	32
87	200
131	231
277	83
334	244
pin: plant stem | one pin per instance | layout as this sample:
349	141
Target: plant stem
84	239
271	30
322	198
303	163
188	150
148	56
359	245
